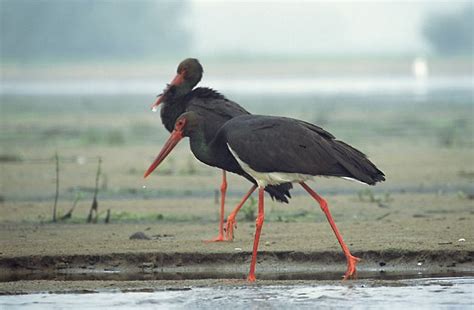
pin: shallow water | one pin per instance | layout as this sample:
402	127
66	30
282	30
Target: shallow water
428	293
371	85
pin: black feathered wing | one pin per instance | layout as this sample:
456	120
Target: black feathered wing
278	144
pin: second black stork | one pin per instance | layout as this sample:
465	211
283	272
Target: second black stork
276	150
180	96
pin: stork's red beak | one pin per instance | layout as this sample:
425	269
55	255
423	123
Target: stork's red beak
178	79
173	140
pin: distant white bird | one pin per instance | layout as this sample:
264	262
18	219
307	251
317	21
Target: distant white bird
419	68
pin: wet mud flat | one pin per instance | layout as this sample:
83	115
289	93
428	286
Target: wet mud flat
272	265
179	266
29	273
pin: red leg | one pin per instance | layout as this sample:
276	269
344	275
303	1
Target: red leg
259	224
220	237
351	260
231	224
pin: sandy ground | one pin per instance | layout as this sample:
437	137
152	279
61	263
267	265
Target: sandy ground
414	233
406	221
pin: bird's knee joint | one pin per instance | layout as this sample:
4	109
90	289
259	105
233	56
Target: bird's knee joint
259	220
324	205
223	187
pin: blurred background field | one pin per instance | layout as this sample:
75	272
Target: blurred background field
78	79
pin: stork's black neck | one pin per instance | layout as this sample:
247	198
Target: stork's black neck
176	104
213	153
171	110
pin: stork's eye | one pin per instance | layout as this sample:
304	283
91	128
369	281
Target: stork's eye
180	123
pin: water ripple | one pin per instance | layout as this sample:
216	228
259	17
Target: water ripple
416	293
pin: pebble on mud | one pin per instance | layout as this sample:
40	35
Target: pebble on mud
139	236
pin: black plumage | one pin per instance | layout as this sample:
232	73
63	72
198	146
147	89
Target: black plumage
179	98
280	144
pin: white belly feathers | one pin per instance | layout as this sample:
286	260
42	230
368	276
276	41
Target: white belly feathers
270	178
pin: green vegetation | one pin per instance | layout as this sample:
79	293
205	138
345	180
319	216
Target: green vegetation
367	195
249	209
114	122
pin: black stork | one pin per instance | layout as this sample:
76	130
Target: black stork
276	150
180	96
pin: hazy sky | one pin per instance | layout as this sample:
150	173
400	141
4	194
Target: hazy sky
312	27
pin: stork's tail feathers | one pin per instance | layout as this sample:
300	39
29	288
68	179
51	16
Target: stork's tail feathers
280	192
357	164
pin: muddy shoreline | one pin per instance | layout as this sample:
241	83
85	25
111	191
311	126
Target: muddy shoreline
179	270
272	260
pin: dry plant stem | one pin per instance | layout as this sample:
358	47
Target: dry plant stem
95	205
56	157
107	217
68	215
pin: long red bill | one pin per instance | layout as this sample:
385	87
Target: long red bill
172	141
178	79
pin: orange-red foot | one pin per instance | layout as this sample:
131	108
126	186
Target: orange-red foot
219	238
251	278
351	267
230	225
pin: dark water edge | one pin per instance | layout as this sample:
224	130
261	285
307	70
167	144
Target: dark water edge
425	293
309	275
273	265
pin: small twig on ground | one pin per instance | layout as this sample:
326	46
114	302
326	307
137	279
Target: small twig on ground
107	217
383	216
